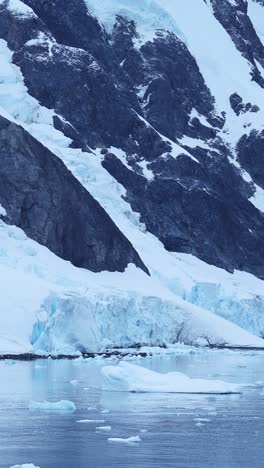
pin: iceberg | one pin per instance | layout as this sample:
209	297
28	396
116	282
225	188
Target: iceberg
129	440
62	405
90	421
131	378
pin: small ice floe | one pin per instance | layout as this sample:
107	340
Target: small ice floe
104	428
90	421
91	408
129	440
74	382
62	405
143	430
105	411
127	377
25	465
199	424
202	420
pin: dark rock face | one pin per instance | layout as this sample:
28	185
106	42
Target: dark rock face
143	99
236	102
188	212
251	155
174	86
43	198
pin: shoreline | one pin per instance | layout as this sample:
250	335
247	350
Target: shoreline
115	353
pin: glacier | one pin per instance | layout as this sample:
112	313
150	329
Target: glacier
60	309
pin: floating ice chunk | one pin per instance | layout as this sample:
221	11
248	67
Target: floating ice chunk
90	421
104	428
62	405
202	419
25	465
129	440
131	378
74	382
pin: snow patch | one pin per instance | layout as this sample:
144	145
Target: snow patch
18	8
2	211
256	14
258	198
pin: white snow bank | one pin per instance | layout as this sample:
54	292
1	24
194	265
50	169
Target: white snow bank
131	378
129	440
62	405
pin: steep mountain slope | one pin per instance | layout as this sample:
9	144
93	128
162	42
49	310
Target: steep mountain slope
161	120
42	197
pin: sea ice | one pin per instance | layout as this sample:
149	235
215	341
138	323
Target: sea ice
131	378
62	405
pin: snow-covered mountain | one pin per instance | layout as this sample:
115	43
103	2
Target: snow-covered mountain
132	173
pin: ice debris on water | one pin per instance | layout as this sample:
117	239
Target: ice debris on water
104	428
74	382
62	405
129	440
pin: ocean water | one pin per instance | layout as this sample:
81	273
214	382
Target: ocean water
181	431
